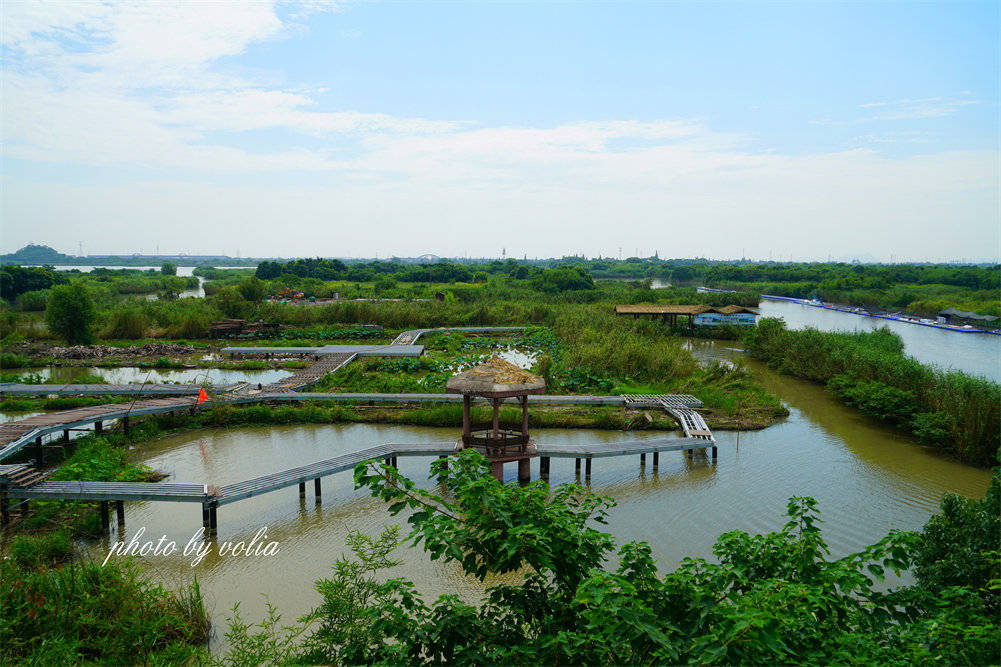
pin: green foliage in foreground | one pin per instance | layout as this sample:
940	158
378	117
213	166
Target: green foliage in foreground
88	613
955	411
771	599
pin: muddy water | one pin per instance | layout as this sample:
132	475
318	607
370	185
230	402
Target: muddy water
868	479
135	375
979	354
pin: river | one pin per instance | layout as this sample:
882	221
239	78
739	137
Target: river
979	354
869	479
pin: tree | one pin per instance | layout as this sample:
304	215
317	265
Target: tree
70	313
776	598
253	289
168	269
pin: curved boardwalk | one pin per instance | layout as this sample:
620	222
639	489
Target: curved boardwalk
19	481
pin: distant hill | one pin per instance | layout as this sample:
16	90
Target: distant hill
36	254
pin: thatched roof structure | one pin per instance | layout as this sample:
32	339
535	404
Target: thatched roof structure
731	310
679	309
654	309
495	378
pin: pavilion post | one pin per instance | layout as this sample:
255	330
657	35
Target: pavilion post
467	427
524	418
496	418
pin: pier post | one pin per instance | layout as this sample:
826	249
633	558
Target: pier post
576	467
316	489
392	461
656	459
66	435
105	518
497	470
302	489
4	509
213	522
125	424
642	460
544	467
98	427
120	511
39	456
714	453
524	470
587	468
25	508
205	517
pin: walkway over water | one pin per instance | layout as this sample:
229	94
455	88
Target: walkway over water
21	481
212	497
15	389
15	436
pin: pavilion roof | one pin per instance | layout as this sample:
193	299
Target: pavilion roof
655	309
495	378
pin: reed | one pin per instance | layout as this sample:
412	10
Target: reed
970	405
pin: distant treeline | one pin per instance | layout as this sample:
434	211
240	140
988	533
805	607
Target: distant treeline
557	279
848	276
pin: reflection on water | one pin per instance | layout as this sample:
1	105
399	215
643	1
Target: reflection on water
868	479
979	354
134	375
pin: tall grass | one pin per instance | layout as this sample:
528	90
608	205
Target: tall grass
128	324
85	613
971	406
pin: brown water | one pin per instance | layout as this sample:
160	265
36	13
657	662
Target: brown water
869	479
136	375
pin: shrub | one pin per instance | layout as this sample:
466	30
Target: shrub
33	301
129	324
253	289
70	313
960	546
931	427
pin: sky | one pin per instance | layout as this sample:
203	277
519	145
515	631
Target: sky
801	130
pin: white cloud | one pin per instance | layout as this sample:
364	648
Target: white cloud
144	90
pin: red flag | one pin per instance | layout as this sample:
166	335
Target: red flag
202	396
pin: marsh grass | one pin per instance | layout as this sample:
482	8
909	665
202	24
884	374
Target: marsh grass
971	404
85	613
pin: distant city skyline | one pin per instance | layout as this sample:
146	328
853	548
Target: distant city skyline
290	129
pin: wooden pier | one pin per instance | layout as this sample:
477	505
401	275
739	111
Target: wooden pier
25	483
211	497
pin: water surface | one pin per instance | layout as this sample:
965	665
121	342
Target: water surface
868	479
135	375
979	354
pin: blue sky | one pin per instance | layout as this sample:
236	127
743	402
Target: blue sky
714	129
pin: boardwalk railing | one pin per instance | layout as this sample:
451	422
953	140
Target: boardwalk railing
212	497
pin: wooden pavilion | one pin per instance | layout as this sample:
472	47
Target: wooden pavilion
496	380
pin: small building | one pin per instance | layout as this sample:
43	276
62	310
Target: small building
496	379
697	314
733	315
954	316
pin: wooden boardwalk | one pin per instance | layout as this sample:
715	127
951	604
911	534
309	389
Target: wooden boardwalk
16	482
410	337
14	389
212	497
15	436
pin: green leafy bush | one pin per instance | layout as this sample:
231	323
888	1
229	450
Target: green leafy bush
70	313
